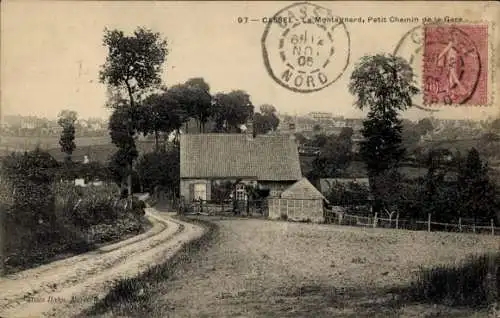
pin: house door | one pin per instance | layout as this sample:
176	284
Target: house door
200	191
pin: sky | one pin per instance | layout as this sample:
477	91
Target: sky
51	51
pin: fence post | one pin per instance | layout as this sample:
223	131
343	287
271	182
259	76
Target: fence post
375	220
492	227
460	224
474	227
429	222
397	221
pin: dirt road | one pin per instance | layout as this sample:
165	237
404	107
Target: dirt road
64	288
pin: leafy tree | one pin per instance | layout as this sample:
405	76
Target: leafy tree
123	124
410	137
383	84
232	110
66	120
266	120
335	155
478	195
153	172
495	125
424	126
160	113
317	128
346	133
133	64
30	175
301	139
200	101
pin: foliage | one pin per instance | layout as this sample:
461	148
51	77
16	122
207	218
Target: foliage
385	85
160	169
478	195
118	166
335	155
91	171
348	195
195	100
67	121
133	63
265	121
200	101
30	175
232	110
222	191
459	285
160	113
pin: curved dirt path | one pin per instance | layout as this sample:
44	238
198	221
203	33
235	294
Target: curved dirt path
66	287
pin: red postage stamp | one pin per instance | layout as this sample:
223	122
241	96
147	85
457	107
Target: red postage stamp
455	68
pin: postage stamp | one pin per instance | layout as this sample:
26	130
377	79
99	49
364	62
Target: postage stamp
455	64
305	47
410	47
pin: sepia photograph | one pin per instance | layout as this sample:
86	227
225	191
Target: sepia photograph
249	159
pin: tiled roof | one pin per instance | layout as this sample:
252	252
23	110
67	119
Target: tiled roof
302	190
270	158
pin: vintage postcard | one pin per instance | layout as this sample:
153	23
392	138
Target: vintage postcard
250	159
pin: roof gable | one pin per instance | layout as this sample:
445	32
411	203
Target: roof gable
272	158
302	190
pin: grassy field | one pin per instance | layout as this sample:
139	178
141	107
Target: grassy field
49	142
96	148
259	268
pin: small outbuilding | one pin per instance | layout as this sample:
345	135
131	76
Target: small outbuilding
300	202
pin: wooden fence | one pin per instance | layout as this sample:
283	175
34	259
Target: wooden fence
428	225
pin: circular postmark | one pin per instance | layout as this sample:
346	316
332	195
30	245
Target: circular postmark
305	47
452	65
410	47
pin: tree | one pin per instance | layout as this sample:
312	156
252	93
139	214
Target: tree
424	126
123	123
200	101
478	195
317	128
383	84
154	173
335	155
495	125
160	112
232	110
266	120
31	175
66	120
133	64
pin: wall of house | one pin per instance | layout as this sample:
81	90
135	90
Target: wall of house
296	210
187	184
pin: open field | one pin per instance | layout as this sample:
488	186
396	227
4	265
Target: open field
260	268
96	148
48	142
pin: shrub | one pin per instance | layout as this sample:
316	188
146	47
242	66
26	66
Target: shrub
462	284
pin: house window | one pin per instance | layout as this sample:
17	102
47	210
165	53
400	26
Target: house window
200	191
240	192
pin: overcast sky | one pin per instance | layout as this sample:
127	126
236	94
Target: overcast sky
51	51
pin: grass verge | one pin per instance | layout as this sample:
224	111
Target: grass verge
473	283
136	296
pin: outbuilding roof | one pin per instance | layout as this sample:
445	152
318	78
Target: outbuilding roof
267	157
